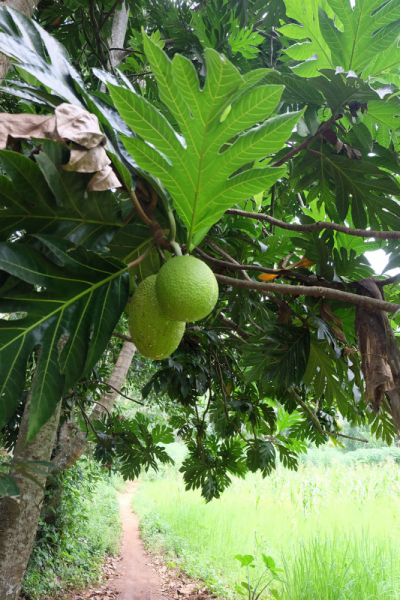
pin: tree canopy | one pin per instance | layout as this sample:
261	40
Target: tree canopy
261	137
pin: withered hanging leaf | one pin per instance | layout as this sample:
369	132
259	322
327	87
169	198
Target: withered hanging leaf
325	312
370	329
87	161
103	180
26	126
69	123
79	126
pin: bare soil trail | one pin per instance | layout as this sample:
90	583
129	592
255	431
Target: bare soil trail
136	574
137	580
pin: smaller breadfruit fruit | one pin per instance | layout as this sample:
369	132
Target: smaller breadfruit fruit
154	334
186	289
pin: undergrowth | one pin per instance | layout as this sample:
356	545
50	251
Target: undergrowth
70	548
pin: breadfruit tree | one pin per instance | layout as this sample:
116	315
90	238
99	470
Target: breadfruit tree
261	141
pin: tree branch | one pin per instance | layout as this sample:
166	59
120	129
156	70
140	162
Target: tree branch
323	127
318	291
109	386
221	317
318	226
108	14
313	417
121	336
348	437
289	274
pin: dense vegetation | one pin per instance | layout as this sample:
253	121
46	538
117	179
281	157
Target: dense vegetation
71	546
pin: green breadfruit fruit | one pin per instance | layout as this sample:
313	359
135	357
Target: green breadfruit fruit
154	334
186	289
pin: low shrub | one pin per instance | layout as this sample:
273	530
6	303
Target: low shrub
70	549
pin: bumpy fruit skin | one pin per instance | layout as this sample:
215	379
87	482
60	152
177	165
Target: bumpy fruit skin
154	334
186	289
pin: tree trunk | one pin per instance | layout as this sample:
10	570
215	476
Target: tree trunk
26	7
73	441
118	33
19	518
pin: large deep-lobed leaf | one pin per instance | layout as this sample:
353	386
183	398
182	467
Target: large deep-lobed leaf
283	356
321	377
63	300
356	184
359	37
200	167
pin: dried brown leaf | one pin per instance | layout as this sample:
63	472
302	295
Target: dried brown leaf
26	126
87	161
103	180
78	125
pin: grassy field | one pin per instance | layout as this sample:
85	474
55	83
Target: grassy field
334	530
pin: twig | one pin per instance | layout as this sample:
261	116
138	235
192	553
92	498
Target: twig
127	50
221	317
110	386
272	208
296	149
348	437
108	14
226	408
279	272
158	233
97	34
121	336
141	74
307	410
317	291
141	257
242	270
317	422
99	403
318	226
87	421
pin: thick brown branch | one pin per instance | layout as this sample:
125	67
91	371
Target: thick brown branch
318	226
318	291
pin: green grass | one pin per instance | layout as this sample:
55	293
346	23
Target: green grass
70	552
334	530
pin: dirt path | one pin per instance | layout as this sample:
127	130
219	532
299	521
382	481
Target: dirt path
136	574
137	580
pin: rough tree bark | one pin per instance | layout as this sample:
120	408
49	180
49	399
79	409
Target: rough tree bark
19	518
24	6
118	33
72	440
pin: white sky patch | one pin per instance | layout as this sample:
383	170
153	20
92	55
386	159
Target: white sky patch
379	260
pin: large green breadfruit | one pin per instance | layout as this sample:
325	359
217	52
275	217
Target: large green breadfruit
186	289
154	334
